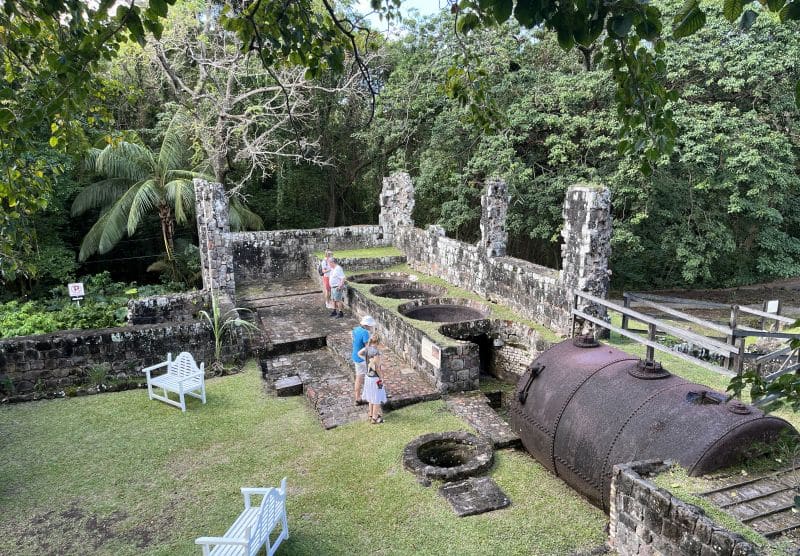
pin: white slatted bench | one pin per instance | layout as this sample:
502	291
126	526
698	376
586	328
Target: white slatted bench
253	527
183	377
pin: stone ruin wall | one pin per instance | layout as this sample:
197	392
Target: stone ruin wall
33	366
157	309
537	292
645	519
283	254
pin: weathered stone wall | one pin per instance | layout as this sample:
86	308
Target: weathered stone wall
397	204
587	243
352	265
540	293
513	345
283	254
494	208
179	307
213	229
533	290
645	519
52	362
460	364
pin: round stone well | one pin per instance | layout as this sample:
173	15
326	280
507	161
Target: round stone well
448	456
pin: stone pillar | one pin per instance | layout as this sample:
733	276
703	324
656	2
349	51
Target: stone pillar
494	207
213	229
397	204
587	243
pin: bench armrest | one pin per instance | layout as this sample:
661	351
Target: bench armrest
247	492
154	367
221	540
190	377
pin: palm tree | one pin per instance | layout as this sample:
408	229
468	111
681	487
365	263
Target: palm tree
139	181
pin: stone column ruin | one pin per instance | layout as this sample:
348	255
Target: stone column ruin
587	243
397	204
494	207
213	229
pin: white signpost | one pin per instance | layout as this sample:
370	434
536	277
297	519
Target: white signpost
76	291
431	353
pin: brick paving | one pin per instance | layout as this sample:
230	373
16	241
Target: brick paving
299	328
474	408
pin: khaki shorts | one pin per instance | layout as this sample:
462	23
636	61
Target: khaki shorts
361	368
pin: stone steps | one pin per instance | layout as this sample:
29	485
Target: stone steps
404	385
474	408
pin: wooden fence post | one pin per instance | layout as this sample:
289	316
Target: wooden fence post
731	340
651	335
626	302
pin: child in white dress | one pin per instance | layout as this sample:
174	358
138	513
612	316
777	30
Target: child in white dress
374	392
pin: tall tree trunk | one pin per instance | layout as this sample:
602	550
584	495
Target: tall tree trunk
332	204
167	229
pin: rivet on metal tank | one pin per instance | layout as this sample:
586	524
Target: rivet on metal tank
585	341
648	370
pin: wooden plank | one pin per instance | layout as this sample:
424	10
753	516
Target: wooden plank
684	301
773	355
681	315
655	345
762	314
702	341
787	370
764	334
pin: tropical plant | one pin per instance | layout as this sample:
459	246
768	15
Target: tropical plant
222	325
137	181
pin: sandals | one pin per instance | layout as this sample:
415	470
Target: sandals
376	420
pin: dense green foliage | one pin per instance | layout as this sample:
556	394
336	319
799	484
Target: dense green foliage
722	209
105	305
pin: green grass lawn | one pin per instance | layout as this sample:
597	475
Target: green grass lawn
118	474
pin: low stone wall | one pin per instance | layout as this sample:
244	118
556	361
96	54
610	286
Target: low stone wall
283	254
533	290
52	362
514	345
645	519
459	367
179	307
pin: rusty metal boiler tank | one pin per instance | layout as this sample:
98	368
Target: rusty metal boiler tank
583	407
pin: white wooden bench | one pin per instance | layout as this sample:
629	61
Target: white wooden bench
253	527
183	377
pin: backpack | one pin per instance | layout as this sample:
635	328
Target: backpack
319	269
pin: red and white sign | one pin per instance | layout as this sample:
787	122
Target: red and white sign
431	353
76	289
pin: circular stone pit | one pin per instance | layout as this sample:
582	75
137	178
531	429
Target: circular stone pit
407	290
380	278
448	456
444	310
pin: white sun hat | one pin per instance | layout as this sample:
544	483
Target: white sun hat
367	321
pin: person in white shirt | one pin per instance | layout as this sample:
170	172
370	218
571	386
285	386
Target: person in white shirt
325	271
337	281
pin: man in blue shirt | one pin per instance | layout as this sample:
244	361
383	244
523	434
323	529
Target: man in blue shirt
360	338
